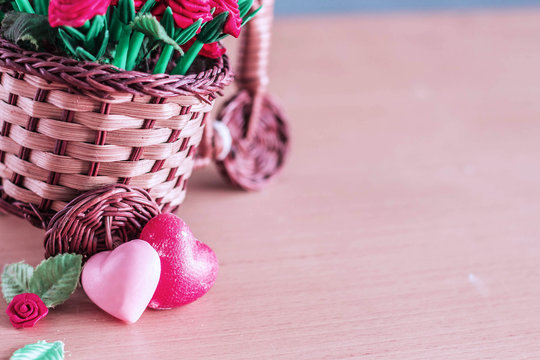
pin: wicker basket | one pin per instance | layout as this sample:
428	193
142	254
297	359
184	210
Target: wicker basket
67	127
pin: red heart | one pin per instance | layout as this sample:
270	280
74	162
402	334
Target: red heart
188	267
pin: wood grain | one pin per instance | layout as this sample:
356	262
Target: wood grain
404	227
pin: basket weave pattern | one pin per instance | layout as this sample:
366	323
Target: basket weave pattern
59	139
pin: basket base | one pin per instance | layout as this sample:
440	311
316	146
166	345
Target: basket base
100	220
38	218
25	211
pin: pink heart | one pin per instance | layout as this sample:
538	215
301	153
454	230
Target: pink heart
188	267
123	281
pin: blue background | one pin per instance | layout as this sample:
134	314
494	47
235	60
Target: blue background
288	7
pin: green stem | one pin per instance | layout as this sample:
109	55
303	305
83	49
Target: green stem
42	6
116	28
120	56
24	6
164	59
15	6
185	62
134	49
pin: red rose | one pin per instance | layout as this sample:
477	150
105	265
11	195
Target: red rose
25	310
75	12
234	21
138	3
213	50
185	12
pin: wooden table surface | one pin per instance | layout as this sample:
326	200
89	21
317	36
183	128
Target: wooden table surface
406	224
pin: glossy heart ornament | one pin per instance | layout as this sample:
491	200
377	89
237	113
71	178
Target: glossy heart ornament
122	281
188	267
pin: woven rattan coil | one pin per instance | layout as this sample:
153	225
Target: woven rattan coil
68	127
101	80
256	158
99	220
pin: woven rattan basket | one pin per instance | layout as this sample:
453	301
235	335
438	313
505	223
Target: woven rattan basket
67	127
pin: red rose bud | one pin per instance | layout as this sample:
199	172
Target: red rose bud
25	310
75	12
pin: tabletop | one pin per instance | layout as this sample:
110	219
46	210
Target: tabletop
404	226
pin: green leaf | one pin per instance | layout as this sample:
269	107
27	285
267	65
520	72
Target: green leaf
98	23
250	16
244	6
41	350
149	25
213	29
28	30
104	43
76	34
16	280
29	38
245	18
56	278
25	6
147	7
89	44
85	55
41	6
16	6
95	35
67	41
167	21
183	36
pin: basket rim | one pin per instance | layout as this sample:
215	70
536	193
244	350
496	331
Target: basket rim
102	80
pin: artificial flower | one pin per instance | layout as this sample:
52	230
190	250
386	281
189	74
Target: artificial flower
234	21
25	310
185	12
138	3
75	12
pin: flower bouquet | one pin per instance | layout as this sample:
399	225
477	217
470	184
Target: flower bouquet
129	34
